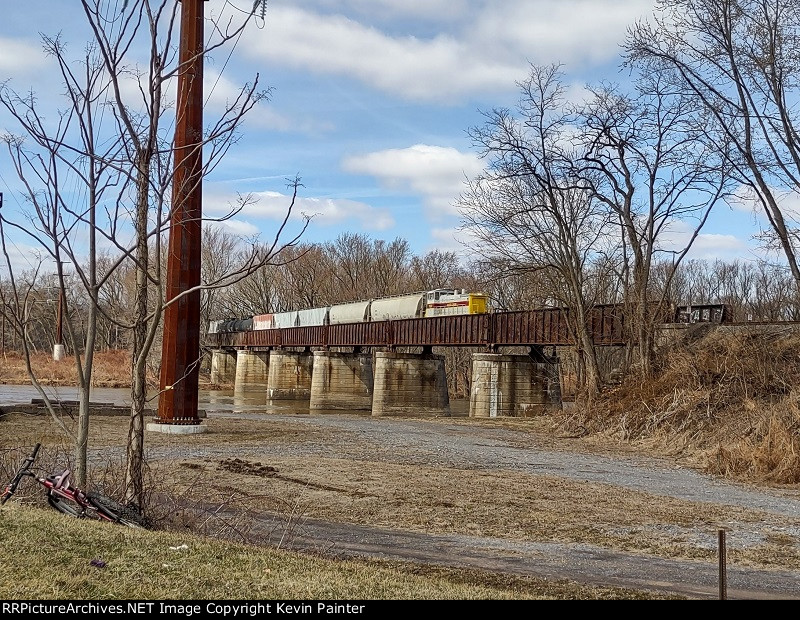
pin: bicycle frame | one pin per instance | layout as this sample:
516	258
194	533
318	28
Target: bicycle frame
61	487
78	503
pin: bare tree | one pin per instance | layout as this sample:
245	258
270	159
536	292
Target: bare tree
70	152
352	256
391	266
438	269
649	163
510	288
134	157
149	152
303	277
739	59
529	210
220	257
257	294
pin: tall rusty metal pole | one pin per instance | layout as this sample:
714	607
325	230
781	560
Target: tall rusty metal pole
180	352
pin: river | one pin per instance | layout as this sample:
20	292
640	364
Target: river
209	401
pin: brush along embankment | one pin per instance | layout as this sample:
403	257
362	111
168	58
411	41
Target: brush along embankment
728	399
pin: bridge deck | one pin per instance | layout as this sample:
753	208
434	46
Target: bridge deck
546	326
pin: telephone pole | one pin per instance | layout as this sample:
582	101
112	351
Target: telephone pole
180	351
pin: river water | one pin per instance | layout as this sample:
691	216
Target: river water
209	401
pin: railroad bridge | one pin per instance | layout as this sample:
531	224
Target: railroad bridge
329	364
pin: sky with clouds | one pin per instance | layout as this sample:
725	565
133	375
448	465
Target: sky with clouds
370	105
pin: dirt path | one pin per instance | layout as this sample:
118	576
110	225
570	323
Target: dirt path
586	564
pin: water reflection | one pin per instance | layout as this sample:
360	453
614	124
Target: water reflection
208	400
22	394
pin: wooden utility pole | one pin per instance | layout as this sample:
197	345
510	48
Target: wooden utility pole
59	351
60	318
180	351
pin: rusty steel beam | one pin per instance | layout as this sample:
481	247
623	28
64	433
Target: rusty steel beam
180	351
543	326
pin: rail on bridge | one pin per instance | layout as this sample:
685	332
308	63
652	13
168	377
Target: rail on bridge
544	326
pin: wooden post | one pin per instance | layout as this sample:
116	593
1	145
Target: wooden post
723	570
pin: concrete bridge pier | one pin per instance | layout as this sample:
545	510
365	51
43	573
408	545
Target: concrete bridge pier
342	381
410	384
513	385
223	366
290	375
251	370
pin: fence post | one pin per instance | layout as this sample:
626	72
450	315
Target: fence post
723	573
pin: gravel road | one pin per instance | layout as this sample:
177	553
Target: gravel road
454	444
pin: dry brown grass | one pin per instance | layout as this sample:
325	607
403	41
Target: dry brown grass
111	369
728	399
50	558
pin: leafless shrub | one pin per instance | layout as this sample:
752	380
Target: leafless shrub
50	460
728	395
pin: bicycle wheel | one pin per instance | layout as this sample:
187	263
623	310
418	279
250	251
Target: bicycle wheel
68	507
116	511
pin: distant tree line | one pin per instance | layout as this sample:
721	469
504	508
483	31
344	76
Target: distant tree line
356	266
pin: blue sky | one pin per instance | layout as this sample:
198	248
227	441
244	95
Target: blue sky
371	102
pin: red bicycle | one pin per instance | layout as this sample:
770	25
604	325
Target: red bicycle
72	501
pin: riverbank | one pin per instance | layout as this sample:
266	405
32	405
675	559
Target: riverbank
112	369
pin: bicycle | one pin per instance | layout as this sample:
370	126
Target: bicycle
72	501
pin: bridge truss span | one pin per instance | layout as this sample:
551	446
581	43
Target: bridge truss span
540	327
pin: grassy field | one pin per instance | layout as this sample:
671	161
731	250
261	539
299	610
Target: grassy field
48	556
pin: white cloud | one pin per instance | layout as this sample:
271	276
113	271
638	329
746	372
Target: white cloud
713	246
324	211
439	68
434	172
433	10
567	31
240	228
706	246
446	66
134	89
788	201
219	91
19	56
25	259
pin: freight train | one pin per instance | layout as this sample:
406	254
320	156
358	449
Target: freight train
423	304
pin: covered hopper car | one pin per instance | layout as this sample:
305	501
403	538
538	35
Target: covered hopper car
423	304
